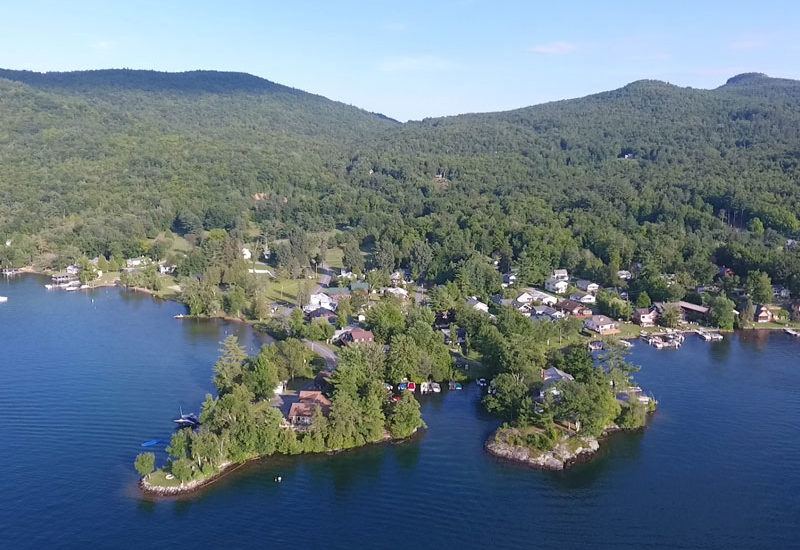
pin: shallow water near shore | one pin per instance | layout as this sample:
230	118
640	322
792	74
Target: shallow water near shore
88	376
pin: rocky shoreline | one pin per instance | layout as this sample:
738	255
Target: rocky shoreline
556	459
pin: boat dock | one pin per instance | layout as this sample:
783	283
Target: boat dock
791	332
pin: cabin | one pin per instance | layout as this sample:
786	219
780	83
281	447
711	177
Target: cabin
302	411
764	315
357	336
583	297
588	286
477	305
576	309
559	286
645	317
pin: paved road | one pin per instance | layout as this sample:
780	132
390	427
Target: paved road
325	274
326	353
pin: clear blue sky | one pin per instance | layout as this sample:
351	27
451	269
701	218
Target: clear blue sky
411	59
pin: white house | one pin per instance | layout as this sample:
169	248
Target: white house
541	297
559	286
588	286
601	324
624	274
583	297
397	292
135	262
477	305
560	274
318	300
246	254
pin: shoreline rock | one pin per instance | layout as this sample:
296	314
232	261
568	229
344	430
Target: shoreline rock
556	459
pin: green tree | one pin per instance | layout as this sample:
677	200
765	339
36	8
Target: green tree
145	463
182	469
228	369
671	316
261	376
721	314
643	300
406	417
759	287
235	300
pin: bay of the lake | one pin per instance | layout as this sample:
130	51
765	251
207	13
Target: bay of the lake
86	377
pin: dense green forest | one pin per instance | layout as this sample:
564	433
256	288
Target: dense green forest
675	179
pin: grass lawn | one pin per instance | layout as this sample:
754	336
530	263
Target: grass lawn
159	478
335	259
284	290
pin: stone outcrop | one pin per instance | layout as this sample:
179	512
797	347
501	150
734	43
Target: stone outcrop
567	452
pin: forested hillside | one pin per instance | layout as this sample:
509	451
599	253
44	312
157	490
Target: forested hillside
673	178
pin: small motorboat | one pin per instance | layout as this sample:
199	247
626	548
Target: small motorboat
3	299
152	443
436	387
481	382
412	387
402	386
189	420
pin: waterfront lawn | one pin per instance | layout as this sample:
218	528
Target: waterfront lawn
284	290
159	479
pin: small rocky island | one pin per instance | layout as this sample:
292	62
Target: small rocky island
557	422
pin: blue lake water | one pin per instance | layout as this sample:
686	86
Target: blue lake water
85	377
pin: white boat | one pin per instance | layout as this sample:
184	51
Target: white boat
436	387
3	299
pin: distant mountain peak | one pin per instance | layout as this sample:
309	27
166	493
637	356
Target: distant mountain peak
745	78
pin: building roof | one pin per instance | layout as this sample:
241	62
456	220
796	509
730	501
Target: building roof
560	273
313	396
359	285
602	320
639	311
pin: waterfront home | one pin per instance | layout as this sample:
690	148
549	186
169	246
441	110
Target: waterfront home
601	324
559	286
583	297
575	309
166	269
588	286
645	316
302	411
477	305
317	300
551	377
764	315
132	263
560	275
688	311
397	292
357	336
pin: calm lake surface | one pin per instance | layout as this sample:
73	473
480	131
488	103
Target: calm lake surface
85	377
